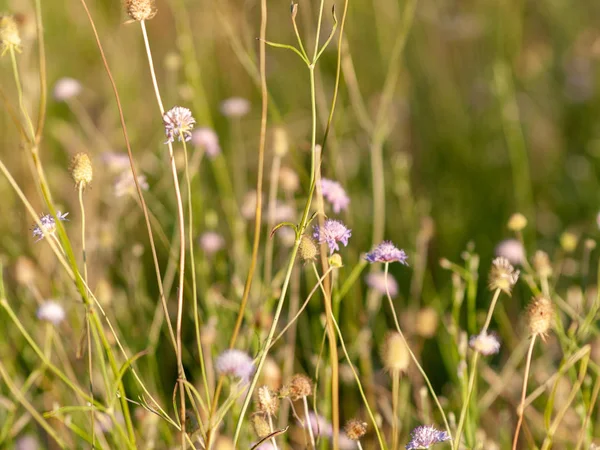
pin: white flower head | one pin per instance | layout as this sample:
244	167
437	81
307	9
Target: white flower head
235	107
235	363
66	88
486	344
51	311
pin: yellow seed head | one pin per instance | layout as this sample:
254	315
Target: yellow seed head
308	249
355	429
81	170
298	387
260	425
568	241
540	313
267	401
140	9
395	353
517	222
9	34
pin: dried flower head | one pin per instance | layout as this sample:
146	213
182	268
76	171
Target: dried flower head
235	363
66	88
511	249
260	425
207	139
9	34
355	429
51	311
376	281
541	264
179	123
517	222
140	9
540	314
211	242
81	170
235	107
335	194
333	232
503	275
267	401
298	387
423	437
395	355
48	225
486	344
307	250
386	252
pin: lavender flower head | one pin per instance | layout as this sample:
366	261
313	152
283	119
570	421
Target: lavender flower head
51	311
386	252
333	232
235	107
211	242
48	224
335	194
486	344
66	88
207	139
235	363
424	436
376	281
178	122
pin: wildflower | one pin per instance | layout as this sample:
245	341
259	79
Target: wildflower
289	180
503	275
540	313
386	252
541	264
178	123
235	107
51	311
395	353
355	429
308	249
115	161
126	185
81	170
284	212
517	222
424	437
376	281
298	387
140	9
211	242
207	139
333	232
48	224
267	401
486	344
9	35
320	425
512	250
66	88
335	194
235	363
260	425
426	322
27	442
568	241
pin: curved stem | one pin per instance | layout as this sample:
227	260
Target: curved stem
523	393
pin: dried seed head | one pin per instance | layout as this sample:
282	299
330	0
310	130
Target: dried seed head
427	322
503	275
308	249
540	313
517	222
81	170
260	425
298	387
267	401
355	429
395	354
140	9
541	264
9	34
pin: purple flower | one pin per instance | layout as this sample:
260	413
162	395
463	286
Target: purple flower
178	122
386	252
235	363
207	139
376	281
49	225
424	437
333	232
335	194
211	242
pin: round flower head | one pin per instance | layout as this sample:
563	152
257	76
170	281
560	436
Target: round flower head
333	232
486	344
395	354
51	311
517	222
288	180
115	162
386	252
298	387
267	401
540	314
66	88
512	250
81	170
9	34
542	264
235	107
140	9
307	250
178	122
335	194
355	429
503	275
125	184
376	281
235	363
211	242
48	224
207	139
424	437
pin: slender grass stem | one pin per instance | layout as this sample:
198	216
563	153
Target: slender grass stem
520	410
307	423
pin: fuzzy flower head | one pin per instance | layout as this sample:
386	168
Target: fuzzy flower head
376	281
66	88
9	34
486	344
178	122
48	225
235	107
51	311
386	252
235	363
333	232
211	242
503	275
511	249
423	437
125	184
540	316
335	194
140	10
207	139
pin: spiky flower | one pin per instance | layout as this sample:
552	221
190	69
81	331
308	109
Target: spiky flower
207	139
424	436
386	252
179	123
9	34
267	401
376	281
298	387
335	194
48	225
140	9
81	170
51	311
503	275
235	363
540	314
355	429
333	232
486	344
